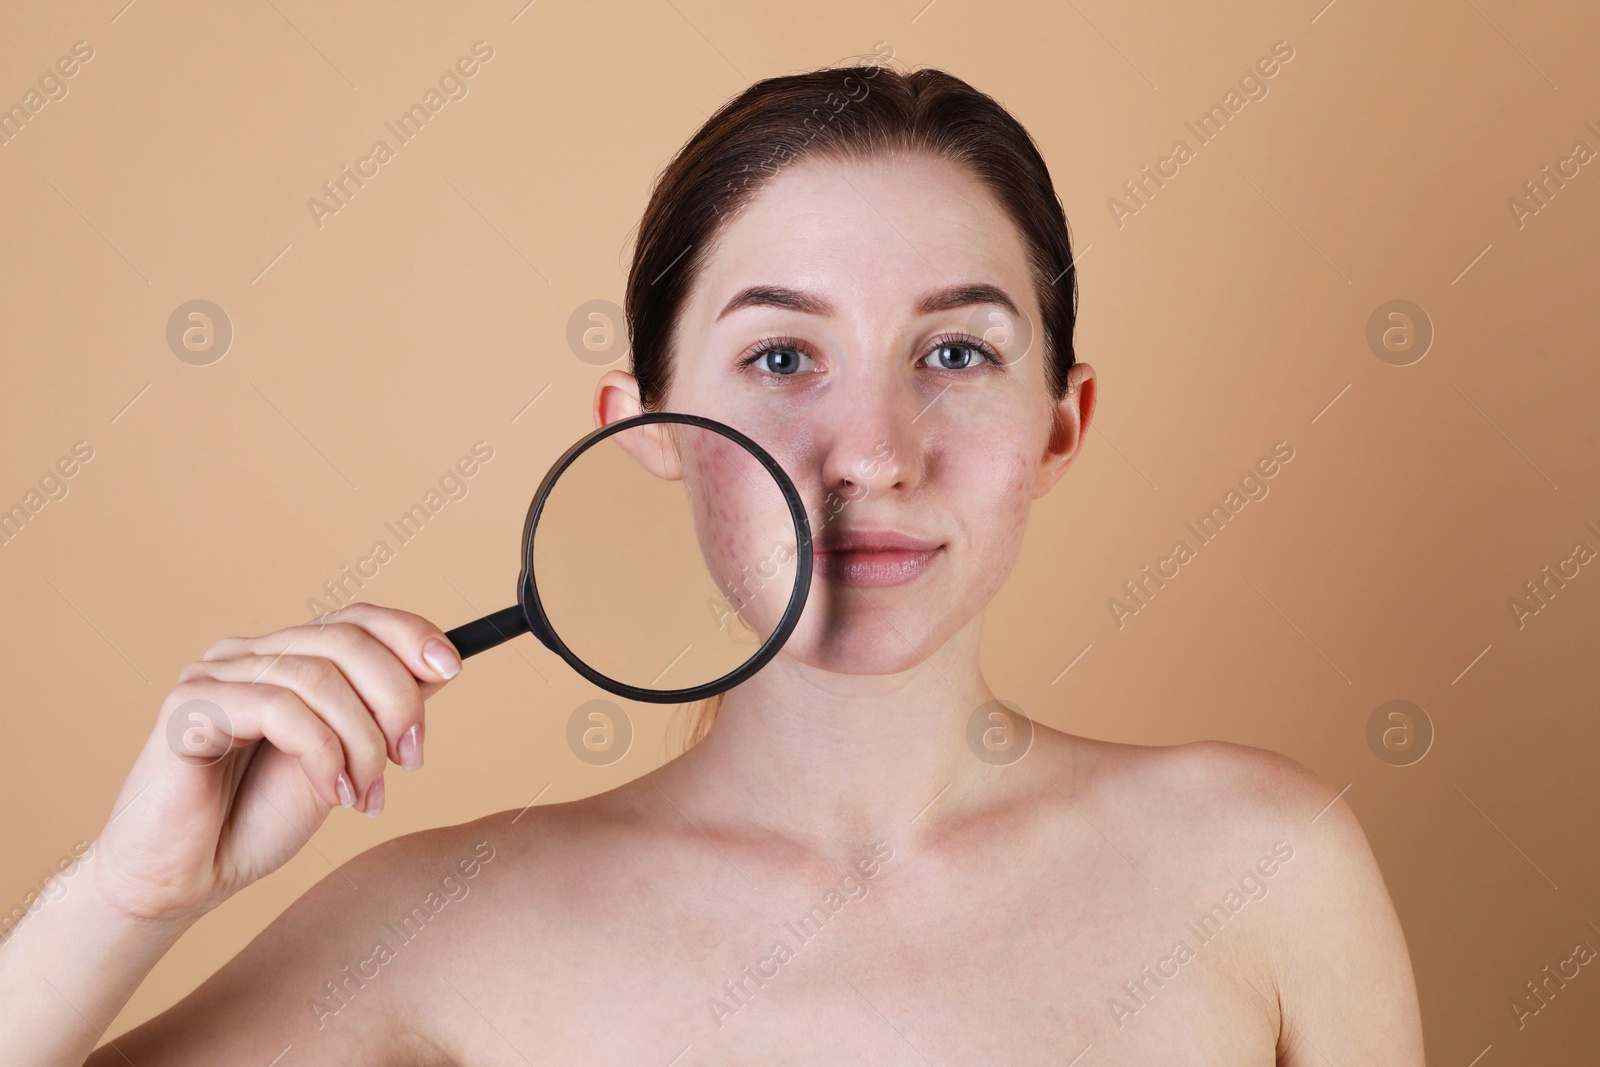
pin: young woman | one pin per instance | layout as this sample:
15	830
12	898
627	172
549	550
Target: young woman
869	273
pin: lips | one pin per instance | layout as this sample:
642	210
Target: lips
863	556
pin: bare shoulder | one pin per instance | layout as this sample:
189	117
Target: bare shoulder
329	974
360	967
1213	791
1221	777
1244	830
1236	803
1207	818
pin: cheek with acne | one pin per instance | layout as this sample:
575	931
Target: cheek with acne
744	527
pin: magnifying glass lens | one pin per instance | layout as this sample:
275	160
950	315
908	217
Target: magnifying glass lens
665	555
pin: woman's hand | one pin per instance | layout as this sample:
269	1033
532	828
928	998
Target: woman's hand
256	744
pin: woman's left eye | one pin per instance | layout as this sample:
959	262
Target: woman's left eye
955	355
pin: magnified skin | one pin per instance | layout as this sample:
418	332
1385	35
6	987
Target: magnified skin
746	530
657	551
838	872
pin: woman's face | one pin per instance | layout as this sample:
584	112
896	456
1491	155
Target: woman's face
873	325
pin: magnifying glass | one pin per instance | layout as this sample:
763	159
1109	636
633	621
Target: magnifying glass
666	557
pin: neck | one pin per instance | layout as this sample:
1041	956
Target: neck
835	760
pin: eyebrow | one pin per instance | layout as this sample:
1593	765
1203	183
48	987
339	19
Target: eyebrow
947	299
777	296
958	296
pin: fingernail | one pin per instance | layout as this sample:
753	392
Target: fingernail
347	795
375	799
442	658
411	748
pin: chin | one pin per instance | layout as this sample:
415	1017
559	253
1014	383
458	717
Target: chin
866	641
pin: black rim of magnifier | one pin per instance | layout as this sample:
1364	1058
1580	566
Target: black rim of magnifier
528	615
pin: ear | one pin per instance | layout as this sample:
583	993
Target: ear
616	397
1070	422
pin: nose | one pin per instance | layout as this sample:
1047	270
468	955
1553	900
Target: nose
870	443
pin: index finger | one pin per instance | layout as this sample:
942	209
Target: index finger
418	643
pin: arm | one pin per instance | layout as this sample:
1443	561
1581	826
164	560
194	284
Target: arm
310	984
252	749
68	969
1344	977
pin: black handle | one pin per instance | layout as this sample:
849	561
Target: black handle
481	634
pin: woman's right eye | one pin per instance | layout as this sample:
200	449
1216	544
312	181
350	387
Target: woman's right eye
781	360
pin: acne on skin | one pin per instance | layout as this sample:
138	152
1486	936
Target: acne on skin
927	477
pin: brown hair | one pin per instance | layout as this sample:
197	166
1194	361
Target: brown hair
850	112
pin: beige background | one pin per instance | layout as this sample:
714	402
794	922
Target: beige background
1227	315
